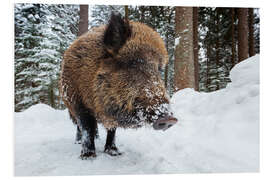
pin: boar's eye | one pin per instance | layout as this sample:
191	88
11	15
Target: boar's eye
100	76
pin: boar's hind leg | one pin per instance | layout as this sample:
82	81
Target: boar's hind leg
110	147
87	126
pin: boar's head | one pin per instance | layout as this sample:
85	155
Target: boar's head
129	89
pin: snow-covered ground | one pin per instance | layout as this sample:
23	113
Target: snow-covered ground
217	132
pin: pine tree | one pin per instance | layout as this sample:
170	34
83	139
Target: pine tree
217	48
233	60
58	33
257	30
42	33
215	60
28	22
251	31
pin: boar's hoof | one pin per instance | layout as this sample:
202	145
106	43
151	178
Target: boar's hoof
112	151
87	155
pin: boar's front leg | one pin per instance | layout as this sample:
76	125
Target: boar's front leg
78	138
87	126
110	147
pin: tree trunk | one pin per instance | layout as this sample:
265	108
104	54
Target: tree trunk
195	49
251	31
126	13
207	66
242	34
168	19
83	23
217	48
166	67
233	35
184	55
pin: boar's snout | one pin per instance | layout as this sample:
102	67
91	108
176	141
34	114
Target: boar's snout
164	123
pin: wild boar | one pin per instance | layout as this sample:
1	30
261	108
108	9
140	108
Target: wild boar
110	75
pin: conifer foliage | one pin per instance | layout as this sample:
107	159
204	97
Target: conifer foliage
42	33
223	42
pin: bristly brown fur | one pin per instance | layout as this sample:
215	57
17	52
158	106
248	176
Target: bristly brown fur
100	81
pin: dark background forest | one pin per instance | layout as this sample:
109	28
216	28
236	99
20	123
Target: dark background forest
207	41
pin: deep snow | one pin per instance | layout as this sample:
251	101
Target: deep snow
217	132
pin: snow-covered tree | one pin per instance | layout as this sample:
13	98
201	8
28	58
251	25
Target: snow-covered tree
58	33
216	47
28	20
100	14
42	33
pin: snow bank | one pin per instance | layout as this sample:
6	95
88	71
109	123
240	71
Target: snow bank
223	124
217	132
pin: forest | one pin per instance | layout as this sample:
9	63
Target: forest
203	43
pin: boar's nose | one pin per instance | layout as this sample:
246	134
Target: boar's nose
164	123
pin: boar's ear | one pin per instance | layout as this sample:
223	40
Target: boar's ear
116	34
